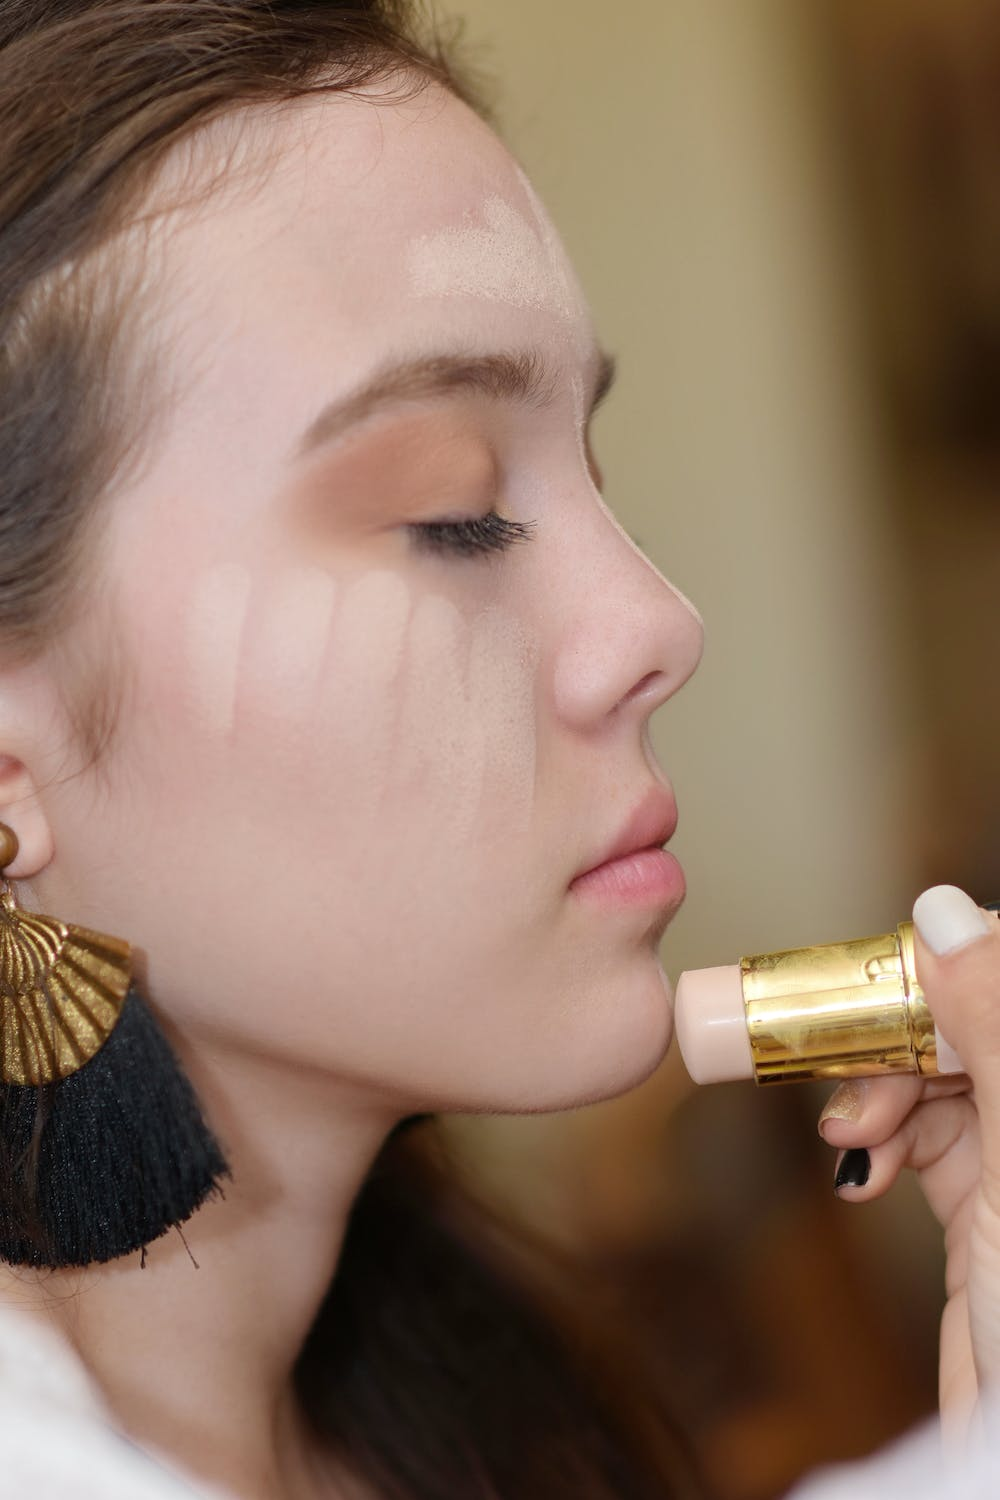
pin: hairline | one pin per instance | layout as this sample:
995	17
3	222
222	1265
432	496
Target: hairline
124	275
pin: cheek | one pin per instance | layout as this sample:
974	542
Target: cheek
294	677
284	643
359	715
467	743
211	643
503	671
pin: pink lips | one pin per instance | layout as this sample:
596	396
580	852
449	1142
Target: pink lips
633	868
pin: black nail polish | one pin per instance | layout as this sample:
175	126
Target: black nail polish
992	905
853	1170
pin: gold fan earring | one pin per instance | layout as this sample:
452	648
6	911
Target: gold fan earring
103	1145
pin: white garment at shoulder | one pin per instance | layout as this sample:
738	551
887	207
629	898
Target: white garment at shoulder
57	1438
912	1469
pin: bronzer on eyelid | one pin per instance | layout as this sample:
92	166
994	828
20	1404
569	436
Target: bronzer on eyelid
410	468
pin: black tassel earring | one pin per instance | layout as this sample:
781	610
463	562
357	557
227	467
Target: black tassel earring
103	1146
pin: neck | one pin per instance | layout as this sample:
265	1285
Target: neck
197	1360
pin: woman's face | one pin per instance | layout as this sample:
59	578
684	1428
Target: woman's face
357	766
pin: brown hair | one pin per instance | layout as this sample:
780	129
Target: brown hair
443	1363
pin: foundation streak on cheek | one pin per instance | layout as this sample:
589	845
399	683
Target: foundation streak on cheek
580	409
354	730
444	721
439	768
284	644
395	714
213	633
501	712
466	734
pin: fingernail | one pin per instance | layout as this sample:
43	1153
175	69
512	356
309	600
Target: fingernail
846	1103
947	919
854	1170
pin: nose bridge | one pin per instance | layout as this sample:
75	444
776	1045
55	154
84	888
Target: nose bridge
651	573
630	629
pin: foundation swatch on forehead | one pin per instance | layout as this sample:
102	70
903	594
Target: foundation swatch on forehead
502	259
555	251
213	631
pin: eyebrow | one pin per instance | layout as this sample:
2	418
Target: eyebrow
520	378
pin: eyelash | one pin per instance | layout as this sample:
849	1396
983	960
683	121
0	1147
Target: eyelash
472	537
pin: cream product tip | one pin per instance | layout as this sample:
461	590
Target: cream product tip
838	1010
710	1021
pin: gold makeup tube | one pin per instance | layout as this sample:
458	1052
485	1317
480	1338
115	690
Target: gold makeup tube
840	1010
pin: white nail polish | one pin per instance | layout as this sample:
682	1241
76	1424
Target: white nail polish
947	919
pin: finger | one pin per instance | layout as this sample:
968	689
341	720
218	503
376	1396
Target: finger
855	1111
958	1388
939	1138
867	1111
957	950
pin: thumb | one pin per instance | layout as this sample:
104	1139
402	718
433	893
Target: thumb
957	951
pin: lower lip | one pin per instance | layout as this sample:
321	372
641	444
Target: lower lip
649	877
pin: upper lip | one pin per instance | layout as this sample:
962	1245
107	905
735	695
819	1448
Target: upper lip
651	823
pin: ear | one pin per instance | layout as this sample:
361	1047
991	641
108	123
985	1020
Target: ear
21	810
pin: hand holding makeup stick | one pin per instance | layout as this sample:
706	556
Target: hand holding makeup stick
948	1130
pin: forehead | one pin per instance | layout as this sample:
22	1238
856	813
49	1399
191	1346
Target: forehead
353	229
338	235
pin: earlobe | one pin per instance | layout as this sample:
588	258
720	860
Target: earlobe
22	811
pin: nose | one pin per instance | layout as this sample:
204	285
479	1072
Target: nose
629	639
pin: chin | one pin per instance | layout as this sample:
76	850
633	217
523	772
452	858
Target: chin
614	1042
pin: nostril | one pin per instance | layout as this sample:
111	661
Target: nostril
650	686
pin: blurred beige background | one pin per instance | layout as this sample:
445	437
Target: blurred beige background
730	177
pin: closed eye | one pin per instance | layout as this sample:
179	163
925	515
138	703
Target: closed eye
471	537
